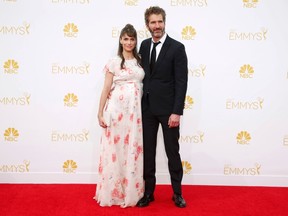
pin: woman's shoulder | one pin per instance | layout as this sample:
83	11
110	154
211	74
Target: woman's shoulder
115	59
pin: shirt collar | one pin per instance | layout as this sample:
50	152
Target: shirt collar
162	40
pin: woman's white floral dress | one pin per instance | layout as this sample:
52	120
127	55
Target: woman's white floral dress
121	146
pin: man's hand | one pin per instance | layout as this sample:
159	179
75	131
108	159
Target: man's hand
174	120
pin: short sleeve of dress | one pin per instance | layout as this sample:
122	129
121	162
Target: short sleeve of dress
110	66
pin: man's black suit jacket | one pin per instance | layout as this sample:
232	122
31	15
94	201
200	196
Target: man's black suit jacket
164	88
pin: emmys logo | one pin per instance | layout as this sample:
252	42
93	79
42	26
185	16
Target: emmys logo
285	140
17	168
187	168
70	100
69	166
245	105
250	3
70	30
248	36
11	135
246	71
188	102
67	70
188	33
70	137
131	2
20	101
243	138
197	72
70	1
246	171
185	3
141	34
11	67
196	138
15	30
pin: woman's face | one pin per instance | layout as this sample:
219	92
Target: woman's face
128	43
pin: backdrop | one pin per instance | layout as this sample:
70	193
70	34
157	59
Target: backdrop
234	129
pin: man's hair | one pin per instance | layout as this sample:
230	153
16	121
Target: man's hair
154	10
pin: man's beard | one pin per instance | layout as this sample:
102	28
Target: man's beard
157	34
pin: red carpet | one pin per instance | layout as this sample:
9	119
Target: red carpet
76	199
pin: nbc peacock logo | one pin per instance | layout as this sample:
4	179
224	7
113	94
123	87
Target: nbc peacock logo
11	67
11	135
187	168
131	2
246	71
69	166
188	102
250	3
188	33
243	138
70	100
70	30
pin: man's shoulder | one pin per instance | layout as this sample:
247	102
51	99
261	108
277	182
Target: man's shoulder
174	41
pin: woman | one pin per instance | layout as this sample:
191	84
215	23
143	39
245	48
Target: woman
121	145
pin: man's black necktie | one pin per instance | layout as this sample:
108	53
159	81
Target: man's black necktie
153	56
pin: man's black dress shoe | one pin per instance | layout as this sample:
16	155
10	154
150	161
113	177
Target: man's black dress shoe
145	200
179	201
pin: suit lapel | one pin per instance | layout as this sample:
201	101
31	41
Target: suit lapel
146	54
161	55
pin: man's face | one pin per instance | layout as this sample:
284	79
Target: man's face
156	26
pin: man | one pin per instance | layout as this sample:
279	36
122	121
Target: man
164	91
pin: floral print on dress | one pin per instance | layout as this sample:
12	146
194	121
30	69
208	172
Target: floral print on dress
121	145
